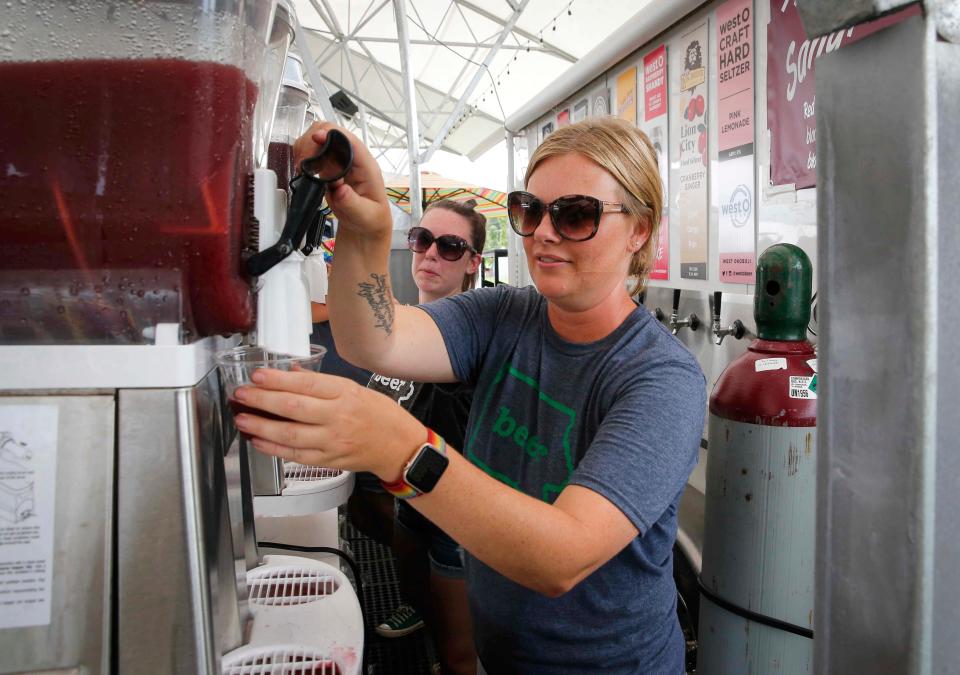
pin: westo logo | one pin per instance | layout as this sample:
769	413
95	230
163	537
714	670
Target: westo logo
740	206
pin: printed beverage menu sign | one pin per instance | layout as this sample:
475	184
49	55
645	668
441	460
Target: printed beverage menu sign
688	206
655	126
627	95
735	117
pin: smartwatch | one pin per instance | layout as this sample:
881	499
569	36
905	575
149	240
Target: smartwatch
423	471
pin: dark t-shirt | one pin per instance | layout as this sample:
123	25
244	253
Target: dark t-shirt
442	407
333	364
622	416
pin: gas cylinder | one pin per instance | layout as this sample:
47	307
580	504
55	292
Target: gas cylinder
757	578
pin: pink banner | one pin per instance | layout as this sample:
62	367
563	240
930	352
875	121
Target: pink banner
736	241
661	253
791	92
655	125
735	78
655	83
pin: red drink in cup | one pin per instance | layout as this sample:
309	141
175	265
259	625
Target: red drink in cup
237	365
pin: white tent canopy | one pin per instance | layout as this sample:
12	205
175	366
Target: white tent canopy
473	62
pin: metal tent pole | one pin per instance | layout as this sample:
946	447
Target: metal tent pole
410	106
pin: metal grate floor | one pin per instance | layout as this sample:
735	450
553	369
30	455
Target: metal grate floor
409	655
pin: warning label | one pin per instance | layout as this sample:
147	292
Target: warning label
800	387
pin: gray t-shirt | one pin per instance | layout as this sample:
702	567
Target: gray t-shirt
622	416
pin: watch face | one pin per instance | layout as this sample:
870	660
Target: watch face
426	468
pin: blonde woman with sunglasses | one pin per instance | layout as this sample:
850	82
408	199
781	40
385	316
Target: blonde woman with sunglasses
585	424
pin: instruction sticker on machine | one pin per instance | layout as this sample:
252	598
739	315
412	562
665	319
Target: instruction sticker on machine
28	454
800	387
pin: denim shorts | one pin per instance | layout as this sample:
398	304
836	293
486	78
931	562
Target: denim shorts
446	555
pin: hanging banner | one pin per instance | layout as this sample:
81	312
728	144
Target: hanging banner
735	116
689	209
655	126
627	95
791	91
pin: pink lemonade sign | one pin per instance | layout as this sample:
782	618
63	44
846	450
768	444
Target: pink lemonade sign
735	78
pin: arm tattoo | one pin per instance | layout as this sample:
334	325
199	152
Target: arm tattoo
378	296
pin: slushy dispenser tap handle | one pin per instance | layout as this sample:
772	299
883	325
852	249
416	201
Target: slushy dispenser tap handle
315	231
307	194
307	191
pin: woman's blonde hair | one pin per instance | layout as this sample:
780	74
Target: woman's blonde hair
625	153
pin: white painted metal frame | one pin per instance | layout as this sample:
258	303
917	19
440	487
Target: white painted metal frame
387	128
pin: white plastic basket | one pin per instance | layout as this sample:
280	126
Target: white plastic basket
280	660
289	585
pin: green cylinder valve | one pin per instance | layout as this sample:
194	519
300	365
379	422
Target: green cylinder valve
781	305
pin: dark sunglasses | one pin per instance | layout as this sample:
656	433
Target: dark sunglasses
574	217
449	246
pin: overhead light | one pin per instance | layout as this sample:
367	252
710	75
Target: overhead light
342	102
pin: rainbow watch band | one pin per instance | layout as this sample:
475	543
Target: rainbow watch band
401	489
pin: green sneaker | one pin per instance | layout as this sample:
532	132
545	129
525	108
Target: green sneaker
404	620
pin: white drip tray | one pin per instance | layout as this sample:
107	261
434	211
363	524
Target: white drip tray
306	619
290	585
280	660
306	489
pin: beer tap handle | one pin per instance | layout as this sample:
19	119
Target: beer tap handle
675	313
736	329
676	323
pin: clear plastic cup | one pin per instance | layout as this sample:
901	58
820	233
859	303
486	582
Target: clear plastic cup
238	364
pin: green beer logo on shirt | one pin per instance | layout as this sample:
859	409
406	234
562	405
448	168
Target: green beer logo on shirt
507	428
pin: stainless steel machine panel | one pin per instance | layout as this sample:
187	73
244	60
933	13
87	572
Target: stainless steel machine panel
181	603
78	635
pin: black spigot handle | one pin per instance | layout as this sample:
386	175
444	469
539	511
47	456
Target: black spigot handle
676	300
315	231
739	330
717	299
307	194
331	163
